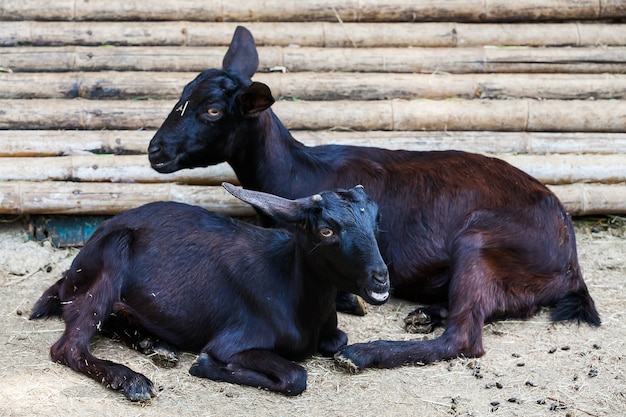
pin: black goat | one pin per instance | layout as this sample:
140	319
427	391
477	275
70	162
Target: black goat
168	276
471	235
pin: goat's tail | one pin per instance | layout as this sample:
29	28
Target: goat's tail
49	304
577	305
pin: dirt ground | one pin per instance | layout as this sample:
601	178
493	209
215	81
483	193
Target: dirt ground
531	368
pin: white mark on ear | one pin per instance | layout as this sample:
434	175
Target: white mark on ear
182	108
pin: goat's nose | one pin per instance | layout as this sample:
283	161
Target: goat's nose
154	148
381	276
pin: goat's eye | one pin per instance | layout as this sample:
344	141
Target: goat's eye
213	112
326	232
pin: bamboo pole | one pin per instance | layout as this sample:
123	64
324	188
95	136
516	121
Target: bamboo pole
321	10
18	197
33	143
320	34
549	169
432	115
321	86
568	169
586	199
83	114
29	143
398	60
106	168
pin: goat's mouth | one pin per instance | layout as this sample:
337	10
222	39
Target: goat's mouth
376	297
165	167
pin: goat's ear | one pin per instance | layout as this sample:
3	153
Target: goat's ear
241	56
279	208
255	99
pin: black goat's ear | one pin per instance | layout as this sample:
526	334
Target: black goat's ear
242	56
255	99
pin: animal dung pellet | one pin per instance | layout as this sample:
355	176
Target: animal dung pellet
559	406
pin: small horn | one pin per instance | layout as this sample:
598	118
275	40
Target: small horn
281	209
317	198
358	186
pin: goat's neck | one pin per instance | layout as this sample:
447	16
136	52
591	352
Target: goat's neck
265	145
318	292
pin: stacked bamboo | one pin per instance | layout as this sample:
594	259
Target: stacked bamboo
84	85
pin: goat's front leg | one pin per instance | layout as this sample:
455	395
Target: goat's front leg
256	368
331	338
473	282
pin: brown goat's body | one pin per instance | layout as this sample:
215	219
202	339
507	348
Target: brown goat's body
473	235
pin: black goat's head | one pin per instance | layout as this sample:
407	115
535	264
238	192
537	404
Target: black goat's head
211	109
337	230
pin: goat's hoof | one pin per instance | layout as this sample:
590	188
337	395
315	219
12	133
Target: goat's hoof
139	388
201	365
164	356
361	307
351	304
346	363
419	322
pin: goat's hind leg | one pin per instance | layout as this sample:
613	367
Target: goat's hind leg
88	293
256	368
72	350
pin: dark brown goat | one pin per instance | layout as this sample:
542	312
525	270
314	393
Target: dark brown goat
168	276
472	236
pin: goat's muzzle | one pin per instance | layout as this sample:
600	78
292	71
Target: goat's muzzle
377	288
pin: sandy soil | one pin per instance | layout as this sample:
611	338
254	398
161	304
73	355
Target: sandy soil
531	368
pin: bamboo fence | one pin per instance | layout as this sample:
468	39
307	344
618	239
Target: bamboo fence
84	86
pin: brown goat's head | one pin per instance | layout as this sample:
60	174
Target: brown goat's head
212	108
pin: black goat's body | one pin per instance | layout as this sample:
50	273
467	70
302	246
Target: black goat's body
474	235
178	311
248	298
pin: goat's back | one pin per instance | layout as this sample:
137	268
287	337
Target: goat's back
182	273
427	199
